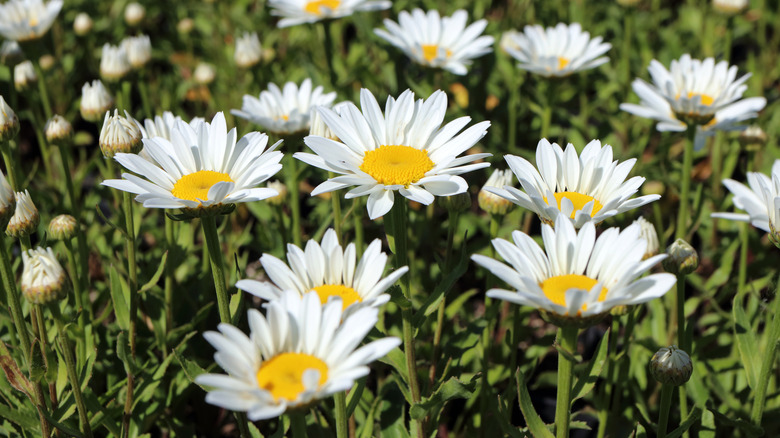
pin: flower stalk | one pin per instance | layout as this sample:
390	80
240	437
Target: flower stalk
767	364
209	224
567	340
685	184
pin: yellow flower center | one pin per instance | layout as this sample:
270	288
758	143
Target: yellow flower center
562	62
579	200
555	288
430	51
348	295
705	99
396	165
196	185
314	7
282	375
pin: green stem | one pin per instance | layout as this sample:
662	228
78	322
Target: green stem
77	291
169	275
243	425
685	184
9	282
209	225
743	253
452	228
327	42
144	92
680	311
295	206
767	364
514	101
663	414
628	28
132	268
727	40
340	398
397	240
567	339
357	222
336	203
70	364
605	395
10	165
298	424
42	90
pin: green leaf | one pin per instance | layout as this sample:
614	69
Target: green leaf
12	372
451	389
587	379
123	353
693	417
118	298
440	291
353	398
23	416
156	277
746	341
707	425
190	368
253	430
535	423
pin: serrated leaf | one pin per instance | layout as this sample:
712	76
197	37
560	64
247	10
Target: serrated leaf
451	389
535	423
588	379
118	298
746	341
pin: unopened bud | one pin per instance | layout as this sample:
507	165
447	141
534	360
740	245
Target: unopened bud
647	232
248	50
46	62
185	26
119	134
653	188
279	187
24	76
7	201
114	64
138	49
62	227
82	25
204	73
671	366
682	258
490	202
11	54
134	14
43	279
25	219
9	122
752	138
59	132
95	101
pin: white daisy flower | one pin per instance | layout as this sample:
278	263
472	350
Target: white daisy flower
329	270
588	188
95	101
555	51
299	353
761	200
434	41
199	167
310	11
702	93
406	149
576	277
24	20
284	111
162	125
248	50
24	75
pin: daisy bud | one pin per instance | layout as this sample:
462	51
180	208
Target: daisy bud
671	366
46	62
119	134
134	14
490	202
95	101
139	50
204	73
279	187
9	122
682	259
59	132
114	64
7	201
62	227
185	26
653	188
25	219
752	138
647	232
10	53
82	25
24	76
457	203
43	279
729	7
248	50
